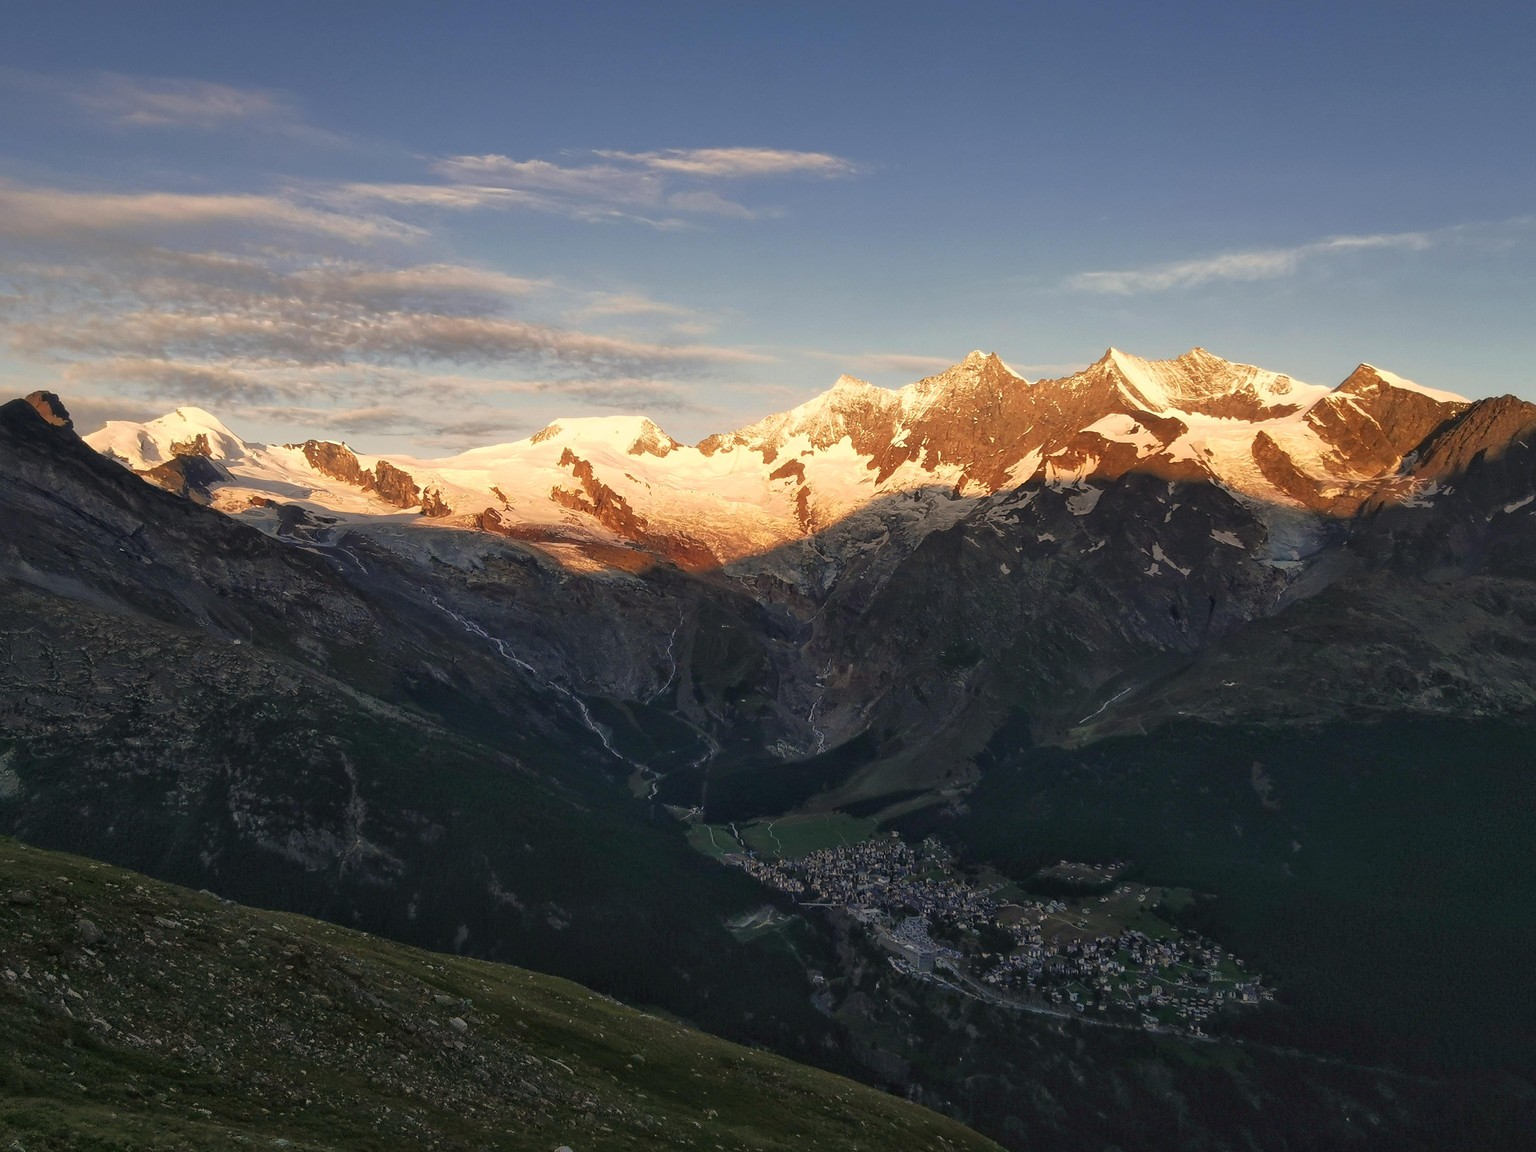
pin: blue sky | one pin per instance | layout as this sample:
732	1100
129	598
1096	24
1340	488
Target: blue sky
427	226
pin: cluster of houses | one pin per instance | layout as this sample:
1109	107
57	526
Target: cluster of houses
888	875
906	893
1178	981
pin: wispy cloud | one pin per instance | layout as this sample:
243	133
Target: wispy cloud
293	295
116	100
317	319
631	304
191	381
125	293
737	163
611	182
662	188
382	420
705	202
638	312
155	103
476	430
62	215
599	191
456	197
418	286
1254	264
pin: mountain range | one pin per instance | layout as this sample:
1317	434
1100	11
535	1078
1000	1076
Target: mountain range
1131	516
1257	635
585	487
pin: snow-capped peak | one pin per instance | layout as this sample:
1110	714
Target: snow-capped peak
199	421
1203	383
847	383
1139	376
186	431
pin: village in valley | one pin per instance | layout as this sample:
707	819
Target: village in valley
1099	947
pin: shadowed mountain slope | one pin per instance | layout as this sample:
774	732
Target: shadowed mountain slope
189	697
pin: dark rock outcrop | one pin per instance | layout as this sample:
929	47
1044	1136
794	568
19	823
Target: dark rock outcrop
197	446
51	409
394	485
191	475
336	461
598	500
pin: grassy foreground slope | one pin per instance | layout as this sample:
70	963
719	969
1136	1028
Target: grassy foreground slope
140	1015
